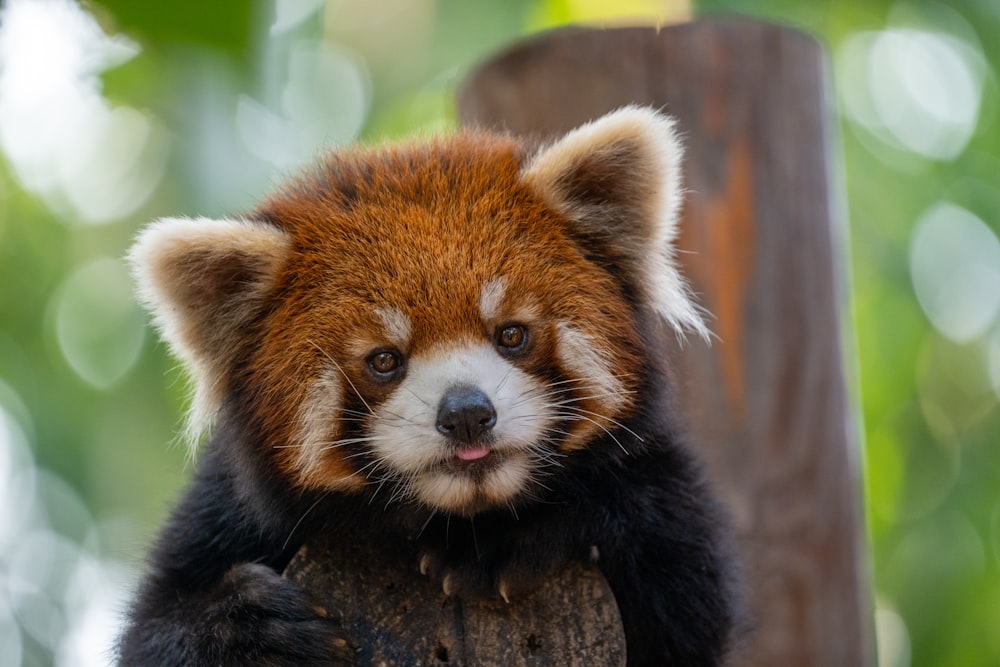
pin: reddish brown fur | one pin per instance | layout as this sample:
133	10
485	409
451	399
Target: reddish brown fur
381	228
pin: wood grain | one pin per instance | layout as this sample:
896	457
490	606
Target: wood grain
768	400
397	618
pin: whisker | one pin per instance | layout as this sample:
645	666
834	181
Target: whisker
578	410
504	379
408	420
355	414
617	376
398	495
299	522
378	489
589	397
351	441
349	418
564	394
342	372
610	419
571	415
416	395
331	444
374	464
426	523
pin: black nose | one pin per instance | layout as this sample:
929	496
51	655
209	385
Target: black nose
465	414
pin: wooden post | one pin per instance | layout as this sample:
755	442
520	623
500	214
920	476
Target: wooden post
762	239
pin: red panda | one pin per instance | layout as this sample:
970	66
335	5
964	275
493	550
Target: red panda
404	340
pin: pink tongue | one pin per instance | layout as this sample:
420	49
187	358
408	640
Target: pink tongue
472	453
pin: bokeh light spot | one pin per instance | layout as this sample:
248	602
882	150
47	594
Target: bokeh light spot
96	599
90	162
913	89
946	550
324	103
10	631
17	480
993	360
893	638
955	268
99	327
288	14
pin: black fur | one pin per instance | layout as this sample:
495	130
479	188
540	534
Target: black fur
213	594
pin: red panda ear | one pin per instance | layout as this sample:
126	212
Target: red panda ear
204	281
618	179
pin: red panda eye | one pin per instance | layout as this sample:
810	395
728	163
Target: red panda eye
384	362
512	338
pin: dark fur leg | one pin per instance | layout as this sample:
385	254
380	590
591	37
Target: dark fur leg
214	595
662	552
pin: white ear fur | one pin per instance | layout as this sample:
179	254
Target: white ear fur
203	280
619	179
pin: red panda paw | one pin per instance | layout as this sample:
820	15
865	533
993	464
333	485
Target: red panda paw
481	576
257	612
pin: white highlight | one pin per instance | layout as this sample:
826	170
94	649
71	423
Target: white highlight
491	298
57	587
324	101
97	324
916	90
319	419
993	361
91	161
894	645
955	267
578	354
289	14
396	324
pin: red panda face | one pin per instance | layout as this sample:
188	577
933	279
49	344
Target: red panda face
439	323
452	340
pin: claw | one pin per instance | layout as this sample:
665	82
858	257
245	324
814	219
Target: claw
425	564
504	591
448	585
320	611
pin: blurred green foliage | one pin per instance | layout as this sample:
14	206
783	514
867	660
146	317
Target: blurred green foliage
928	397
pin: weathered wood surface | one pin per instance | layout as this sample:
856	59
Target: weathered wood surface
767	401
398	618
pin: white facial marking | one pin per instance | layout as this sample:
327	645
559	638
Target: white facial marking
319	416
577	353
396	324
491	297
405	436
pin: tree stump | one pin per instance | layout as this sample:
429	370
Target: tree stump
398	618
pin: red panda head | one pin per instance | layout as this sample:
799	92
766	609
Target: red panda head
443	319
